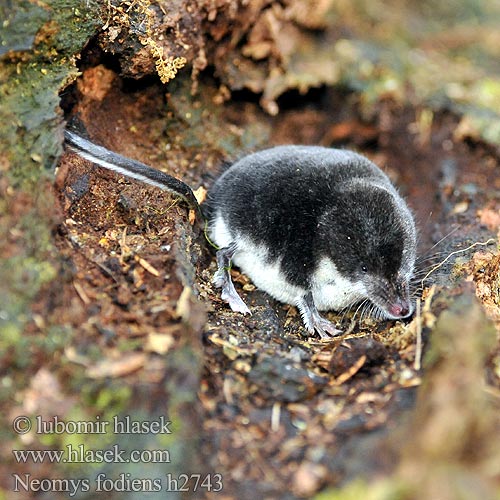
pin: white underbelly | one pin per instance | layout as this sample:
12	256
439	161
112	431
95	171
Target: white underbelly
253	260
331	291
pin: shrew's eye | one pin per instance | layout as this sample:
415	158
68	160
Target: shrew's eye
364	269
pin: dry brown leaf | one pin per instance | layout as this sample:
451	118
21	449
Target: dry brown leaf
43	394
125	365
490	218
159	343
308	478
200	194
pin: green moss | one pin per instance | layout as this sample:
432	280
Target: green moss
108	398
37	43
23	275
20	25
32	80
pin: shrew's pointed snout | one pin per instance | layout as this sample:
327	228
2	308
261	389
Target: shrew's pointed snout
400	308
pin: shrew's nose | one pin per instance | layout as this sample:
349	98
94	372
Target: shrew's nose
400	308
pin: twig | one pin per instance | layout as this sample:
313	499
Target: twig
81	293
418	352
275	417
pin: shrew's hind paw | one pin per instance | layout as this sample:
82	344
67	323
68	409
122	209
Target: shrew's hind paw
222	279
230	295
